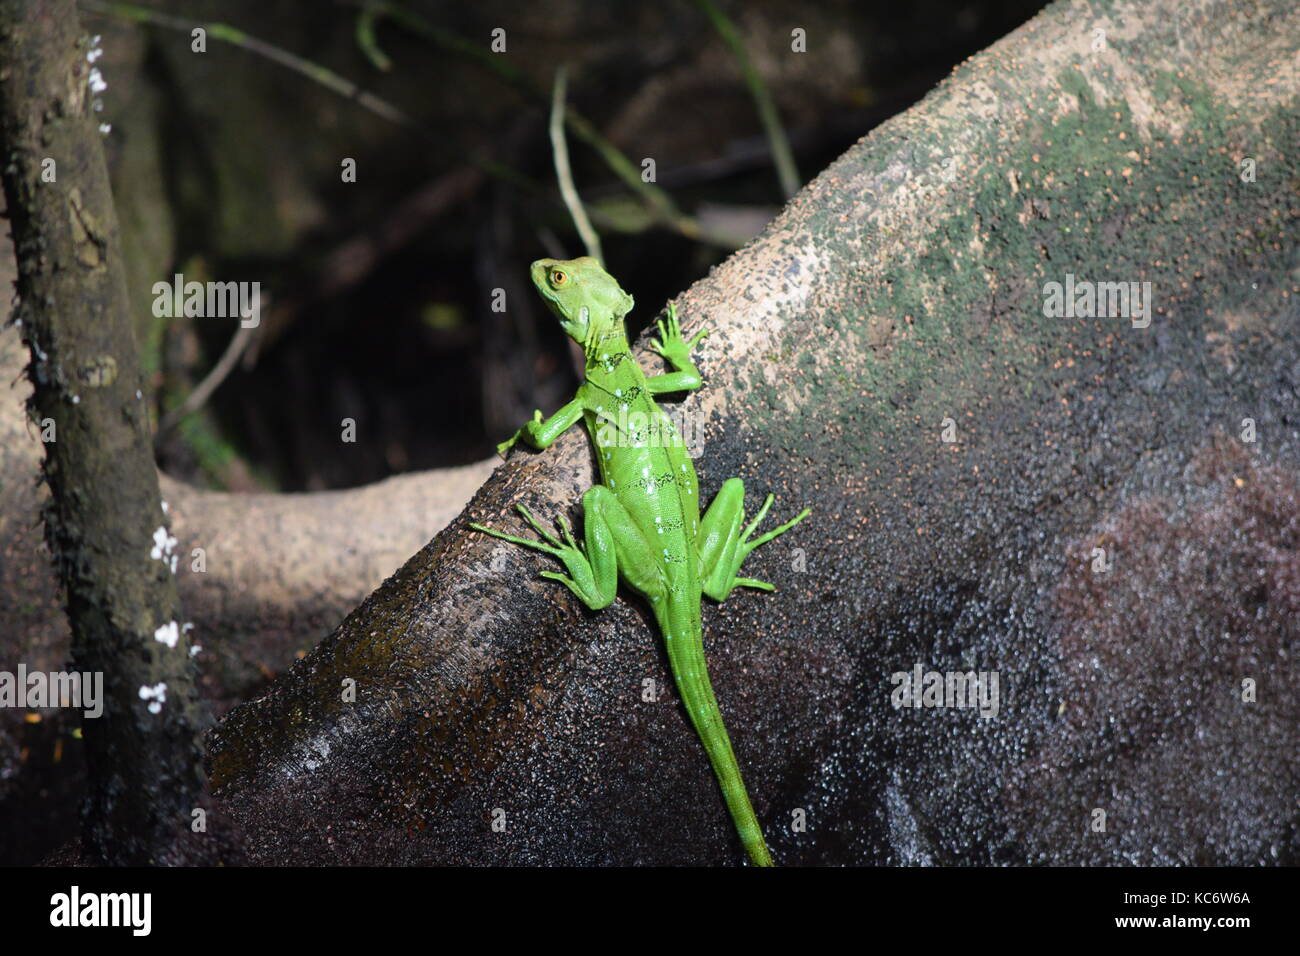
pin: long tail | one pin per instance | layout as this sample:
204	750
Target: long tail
684	640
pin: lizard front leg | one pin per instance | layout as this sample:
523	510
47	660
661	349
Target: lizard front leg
676	351
614	545
723	547
542	434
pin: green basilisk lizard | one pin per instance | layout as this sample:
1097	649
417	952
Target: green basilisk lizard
642	522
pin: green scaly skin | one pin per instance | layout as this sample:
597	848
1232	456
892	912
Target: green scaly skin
642	523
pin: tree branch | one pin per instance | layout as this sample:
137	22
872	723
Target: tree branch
104	519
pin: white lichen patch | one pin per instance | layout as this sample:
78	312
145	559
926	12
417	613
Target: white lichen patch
164	546
168	634
96	81
156	695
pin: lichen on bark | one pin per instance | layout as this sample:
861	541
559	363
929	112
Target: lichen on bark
104	523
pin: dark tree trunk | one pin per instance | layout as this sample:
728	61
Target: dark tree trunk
104	523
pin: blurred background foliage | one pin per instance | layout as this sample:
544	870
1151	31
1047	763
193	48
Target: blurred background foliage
378	293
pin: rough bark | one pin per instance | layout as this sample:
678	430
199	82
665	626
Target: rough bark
903	288
144	760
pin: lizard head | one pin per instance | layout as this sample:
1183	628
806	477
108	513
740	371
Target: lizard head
586	299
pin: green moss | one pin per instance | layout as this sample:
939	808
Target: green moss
1095	196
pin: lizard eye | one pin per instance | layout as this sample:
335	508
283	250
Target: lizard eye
558	277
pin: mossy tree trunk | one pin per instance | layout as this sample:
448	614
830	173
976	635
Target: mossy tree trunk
882	353
104	524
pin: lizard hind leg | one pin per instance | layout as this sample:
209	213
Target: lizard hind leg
583	580
612	544
724	546
617	546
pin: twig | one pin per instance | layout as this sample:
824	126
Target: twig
304	67
367	42
563	172
667	212
660	202
203	391
782	156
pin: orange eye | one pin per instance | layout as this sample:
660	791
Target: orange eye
558	277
